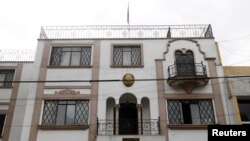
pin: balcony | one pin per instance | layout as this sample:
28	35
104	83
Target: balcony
187	76
128	127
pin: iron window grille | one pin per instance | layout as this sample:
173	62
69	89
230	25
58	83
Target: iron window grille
70	56
127	55
190	112
6	78
65	112
185	63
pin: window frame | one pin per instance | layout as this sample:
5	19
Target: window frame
81	65
243	101
11	73
49	119
178	118
141	59
184	68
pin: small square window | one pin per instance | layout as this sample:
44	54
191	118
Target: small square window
6	78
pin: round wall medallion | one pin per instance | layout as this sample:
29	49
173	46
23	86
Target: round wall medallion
128	79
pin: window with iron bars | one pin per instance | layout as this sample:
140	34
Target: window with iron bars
127	55
190	112
65	112
70	56
6	78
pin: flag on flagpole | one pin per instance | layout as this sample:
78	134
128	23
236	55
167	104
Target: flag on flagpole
128	14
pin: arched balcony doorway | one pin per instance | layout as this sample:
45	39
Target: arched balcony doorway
128	115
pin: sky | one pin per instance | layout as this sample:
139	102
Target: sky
21	20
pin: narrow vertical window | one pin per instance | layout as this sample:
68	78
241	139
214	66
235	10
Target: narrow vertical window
185	63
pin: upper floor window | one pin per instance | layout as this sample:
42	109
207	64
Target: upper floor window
244	110
65	112
6	78
127	55
185	63
70	56
190	112
2	121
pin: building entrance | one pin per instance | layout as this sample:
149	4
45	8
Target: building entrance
128	120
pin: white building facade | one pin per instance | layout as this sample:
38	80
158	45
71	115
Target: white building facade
115	83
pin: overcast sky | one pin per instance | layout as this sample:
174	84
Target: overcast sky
21	20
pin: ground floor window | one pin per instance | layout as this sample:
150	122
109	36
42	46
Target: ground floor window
65	112
190	112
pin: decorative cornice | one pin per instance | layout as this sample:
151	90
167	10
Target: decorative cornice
175	40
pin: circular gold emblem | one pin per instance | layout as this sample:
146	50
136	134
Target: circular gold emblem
128	79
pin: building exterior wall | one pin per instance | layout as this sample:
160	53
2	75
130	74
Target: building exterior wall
101	83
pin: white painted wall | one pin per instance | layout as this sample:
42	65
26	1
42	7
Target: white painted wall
53	91
187	135
27	91
119	138
5	94
7	64
152	49
224	93
62	135
140	88
68	74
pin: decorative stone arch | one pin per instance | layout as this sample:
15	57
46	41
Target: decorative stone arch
175	40
128	97
129	115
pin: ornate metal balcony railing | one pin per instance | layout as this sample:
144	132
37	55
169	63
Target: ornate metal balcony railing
197	69
126	31
187	76
145	127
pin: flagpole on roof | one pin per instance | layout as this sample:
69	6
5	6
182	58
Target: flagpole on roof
128	14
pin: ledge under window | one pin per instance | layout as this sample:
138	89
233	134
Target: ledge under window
134	66
63	127
187	126
68	67
6	87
